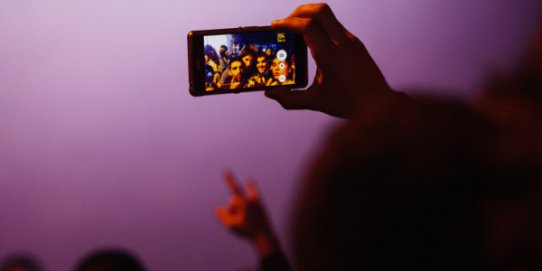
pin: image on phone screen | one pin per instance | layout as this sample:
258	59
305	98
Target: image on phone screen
249	60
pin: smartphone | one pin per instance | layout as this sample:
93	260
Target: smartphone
244	59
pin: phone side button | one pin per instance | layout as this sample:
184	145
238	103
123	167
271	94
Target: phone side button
250	26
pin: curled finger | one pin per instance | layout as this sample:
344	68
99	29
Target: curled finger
323	14
320	45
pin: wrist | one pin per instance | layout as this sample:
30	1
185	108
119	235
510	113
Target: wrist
266	243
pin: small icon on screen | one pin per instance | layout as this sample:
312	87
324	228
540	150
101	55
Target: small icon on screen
281	37
282	55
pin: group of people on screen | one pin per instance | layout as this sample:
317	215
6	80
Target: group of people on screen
251	67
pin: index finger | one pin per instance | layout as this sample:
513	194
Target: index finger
252	190
319	43
232	184
325	17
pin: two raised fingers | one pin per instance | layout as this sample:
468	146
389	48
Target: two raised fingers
227	215
236	190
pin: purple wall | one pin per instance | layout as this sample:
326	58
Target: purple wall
101	144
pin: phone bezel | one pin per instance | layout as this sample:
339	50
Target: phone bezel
196	61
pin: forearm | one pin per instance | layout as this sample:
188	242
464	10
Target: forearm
266	243
271	256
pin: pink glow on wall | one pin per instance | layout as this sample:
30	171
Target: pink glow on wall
101	144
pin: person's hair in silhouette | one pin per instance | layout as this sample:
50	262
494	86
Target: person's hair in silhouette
412	183
21	262
110	260
396	187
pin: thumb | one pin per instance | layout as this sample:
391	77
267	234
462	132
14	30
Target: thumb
291	99
222	215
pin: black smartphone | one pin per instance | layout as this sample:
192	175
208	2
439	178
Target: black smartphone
243	59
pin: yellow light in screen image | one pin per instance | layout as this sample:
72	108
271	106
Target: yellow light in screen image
281	37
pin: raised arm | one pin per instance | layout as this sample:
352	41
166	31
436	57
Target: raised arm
245	216
345	74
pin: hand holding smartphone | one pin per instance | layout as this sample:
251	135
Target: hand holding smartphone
245	59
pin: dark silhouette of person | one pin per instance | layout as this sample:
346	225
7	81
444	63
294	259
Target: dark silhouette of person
21	262
417	183
110	260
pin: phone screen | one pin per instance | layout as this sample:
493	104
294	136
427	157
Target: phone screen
249	60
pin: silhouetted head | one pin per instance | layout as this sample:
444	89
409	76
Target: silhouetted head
20	263
110	260
424	185
391	190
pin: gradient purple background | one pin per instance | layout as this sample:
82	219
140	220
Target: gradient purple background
101	144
